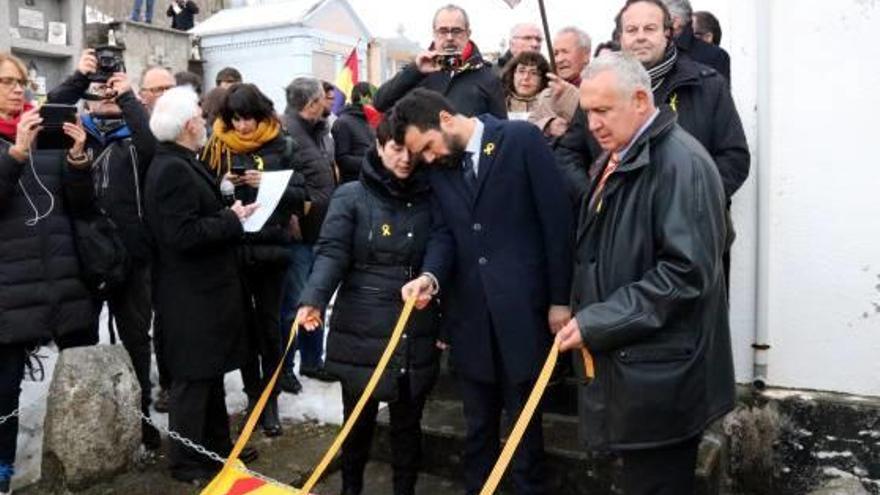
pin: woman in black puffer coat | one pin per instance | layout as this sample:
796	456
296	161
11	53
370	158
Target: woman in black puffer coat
41	295
372	242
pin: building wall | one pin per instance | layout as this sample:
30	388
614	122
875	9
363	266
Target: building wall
121	10
145	45
824	235
52	62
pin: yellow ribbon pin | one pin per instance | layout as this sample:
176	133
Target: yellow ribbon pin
489	149
673	102
386	230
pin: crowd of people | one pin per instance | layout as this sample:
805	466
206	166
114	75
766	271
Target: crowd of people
517	205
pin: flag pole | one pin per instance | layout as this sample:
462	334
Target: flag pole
547	36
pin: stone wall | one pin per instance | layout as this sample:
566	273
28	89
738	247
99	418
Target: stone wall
145	45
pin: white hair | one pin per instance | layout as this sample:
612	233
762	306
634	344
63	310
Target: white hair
680	8
631	74
172	111
517	27
583	39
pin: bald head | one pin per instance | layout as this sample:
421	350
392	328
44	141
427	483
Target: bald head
154	82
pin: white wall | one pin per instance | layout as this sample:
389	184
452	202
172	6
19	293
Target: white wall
824	256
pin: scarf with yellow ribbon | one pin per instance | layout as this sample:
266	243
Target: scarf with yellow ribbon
224	143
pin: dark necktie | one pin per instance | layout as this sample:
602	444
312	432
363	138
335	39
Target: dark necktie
470	177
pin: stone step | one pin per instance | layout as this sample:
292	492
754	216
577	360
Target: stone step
560	397
572	470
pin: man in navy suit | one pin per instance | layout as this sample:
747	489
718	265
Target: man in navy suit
500	254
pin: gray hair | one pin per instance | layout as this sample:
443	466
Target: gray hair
172	111
681	9
631	74
302	91
452	6
584	40
516	27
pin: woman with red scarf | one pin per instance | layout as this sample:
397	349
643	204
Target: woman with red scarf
41	295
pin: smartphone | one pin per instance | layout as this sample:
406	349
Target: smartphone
52	136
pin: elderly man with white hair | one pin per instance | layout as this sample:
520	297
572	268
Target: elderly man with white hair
691	45
558	103
199	296
648	294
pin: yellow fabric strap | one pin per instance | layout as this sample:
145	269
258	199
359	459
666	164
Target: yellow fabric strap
368	392
526	416
232	469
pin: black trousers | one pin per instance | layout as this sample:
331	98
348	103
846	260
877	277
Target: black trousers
197	410
263	284
130	306
406	439
483	403
12	360
664	471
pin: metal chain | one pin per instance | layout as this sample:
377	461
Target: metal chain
178	437
205	452
9	416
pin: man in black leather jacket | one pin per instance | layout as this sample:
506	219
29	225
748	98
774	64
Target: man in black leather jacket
648	292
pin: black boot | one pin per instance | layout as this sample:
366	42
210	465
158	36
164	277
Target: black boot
270	420
289	383
149	436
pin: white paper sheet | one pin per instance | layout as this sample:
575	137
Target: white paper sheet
272	187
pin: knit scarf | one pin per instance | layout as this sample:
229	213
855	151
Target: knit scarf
226	142
9	127
659	72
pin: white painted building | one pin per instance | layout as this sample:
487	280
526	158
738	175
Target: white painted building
273	43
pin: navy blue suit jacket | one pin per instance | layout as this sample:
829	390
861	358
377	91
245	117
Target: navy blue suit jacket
502	256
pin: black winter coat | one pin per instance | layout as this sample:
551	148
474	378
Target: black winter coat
701	98
352	138
702	52
649	295
474	90
120	164
41	294
314	161
185	20
268	246
199	293
372	243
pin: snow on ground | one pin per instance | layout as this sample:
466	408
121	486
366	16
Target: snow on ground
319	401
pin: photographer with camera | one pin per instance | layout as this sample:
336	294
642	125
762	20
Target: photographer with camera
41	190
452	66
121	144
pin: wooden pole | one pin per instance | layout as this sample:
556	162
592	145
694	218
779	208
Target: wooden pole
547	36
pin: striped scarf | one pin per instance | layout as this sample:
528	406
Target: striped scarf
659	72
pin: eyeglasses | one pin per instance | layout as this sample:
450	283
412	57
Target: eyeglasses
10	82
537	39
158	90
456	32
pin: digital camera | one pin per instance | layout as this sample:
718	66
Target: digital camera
448	61
110	61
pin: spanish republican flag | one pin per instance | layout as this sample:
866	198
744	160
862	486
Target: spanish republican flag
348	76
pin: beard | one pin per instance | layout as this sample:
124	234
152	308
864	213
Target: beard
456	153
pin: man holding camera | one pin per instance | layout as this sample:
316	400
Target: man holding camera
121	146
453	67
182	14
